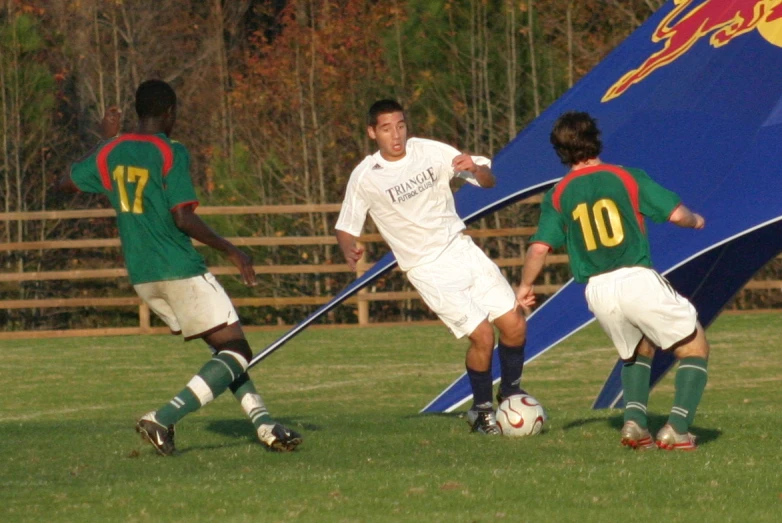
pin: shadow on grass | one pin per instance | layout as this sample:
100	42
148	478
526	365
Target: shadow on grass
434	415
243	428
704	435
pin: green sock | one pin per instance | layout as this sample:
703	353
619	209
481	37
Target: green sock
635	386
252	403
210	382
690	381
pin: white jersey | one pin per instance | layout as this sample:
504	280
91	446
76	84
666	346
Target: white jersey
410	200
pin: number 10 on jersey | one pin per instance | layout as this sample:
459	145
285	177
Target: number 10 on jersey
601	210
124	174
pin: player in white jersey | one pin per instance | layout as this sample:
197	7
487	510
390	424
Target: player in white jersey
405	187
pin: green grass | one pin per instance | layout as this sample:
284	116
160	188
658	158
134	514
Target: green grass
68	450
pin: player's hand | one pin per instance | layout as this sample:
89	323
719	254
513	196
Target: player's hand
464	162
525	297
352	256
244	263
700	222
111	123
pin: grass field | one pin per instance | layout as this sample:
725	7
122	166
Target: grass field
69	452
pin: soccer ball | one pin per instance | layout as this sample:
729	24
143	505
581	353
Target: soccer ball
520	415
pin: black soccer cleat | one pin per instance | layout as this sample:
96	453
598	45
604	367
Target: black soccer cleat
278	438
483	422
157	435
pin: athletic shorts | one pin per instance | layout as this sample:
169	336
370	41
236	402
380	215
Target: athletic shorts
633	302
193	306
463	287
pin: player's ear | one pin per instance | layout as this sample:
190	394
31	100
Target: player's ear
371	132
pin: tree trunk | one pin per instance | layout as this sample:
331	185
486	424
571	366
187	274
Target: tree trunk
398	36
532	60
6	151
569	31
222	69
488	148
101	101
316	134
511	63
115	43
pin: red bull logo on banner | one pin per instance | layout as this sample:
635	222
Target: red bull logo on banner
719	20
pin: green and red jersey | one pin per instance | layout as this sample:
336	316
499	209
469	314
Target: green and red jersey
598	212
145	177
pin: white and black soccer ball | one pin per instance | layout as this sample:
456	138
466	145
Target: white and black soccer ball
521	415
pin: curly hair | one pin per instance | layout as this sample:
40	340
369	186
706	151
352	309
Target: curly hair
576	138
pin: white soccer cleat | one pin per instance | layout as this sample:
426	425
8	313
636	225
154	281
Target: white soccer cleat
636	437
669	439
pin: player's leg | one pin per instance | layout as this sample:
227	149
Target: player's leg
202	309
670	322
446	287
271	434
232	354
159	435
636	373
478	364
691	377
510	348
604	297
493	295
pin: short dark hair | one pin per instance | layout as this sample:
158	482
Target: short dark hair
576	138
153	98
382	107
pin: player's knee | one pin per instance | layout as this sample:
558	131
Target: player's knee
483	336
645	348
239	349
516	333
513	328
694	346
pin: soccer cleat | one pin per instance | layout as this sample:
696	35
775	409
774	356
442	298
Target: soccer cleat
157	435
483	422
501	398
636	437
279	438
669	439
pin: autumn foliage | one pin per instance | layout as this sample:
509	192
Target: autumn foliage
272	101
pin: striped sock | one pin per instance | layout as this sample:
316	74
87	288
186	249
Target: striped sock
211	381
252	403
635	386
691	378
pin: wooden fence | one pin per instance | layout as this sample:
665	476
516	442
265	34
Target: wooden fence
361	300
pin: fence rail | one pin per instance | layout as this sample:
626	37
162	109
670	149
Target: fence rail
361	300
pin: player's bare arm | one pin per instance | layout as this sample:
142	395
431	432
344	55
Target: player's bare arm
683	217
533	265
192	225
109	128
483	174
351	251
111	123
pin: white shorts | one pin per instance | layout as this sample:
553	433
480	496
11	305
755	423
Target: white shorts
633	302
193	306
463	287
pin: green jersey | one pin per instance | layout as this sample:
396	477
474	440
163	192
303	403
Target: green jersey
145	177
598	212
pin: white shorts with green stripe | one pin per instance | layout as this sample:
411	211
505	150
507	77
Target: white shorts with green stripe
633	302
193	306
